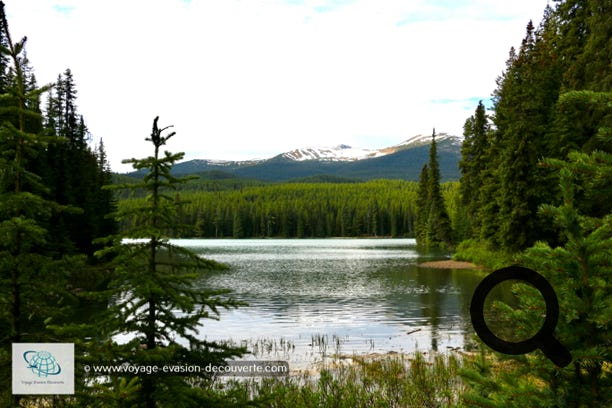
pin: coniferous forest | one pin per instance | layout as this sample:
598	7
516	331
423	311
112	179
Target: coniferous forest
301	210
535	190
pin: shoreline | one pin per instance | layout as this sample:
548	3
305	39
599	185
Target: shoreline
450	264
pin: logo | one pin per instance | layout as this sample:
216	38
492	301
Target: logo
42	363
43	368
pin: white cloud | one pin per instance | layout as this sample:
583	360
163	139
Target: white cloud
245	79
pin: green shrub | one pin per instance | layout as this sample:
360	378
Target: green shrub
483	253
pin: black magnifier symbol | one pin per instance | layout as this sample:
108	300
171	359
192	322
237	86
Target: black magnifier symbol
543	339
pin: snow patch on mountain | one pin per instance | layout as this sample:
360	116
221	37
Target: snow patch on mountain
347	153
226	163
420	140
338	153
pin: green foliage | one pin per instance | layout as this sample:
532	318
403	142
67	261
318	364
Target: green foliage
324	178
478	374
584	42
33	288
156	298
47	217
584	123
549	104
422	205
483	253
494	381
582	119
580	271
373	208
74	174
552	98
457	212
473	164
524	110
433	223
389	381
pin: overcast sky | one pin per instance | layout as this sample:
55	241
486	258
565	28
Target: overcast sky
244	79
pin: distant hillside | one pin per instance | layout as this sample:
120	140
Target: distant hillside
403	161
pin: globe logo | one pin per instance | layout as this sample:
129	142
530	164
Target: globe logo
42	363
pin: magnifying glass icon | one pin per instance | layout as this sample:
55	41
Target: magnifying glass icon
543	339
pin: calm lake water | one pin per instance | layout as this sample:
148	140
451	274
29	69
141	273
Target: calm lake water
310	297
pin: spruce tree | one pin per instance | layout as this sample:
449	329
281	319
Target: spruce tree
32	284
584	44
157	299
433	225
524	110
580	272
74	175
22	206
473	162
104	203
438	224
4	61
422	205
569	50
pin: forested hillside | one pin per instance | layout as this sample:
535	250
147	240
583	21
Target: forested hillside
374	208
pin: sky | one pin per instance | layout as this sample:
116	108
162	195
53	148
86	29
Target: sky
246	79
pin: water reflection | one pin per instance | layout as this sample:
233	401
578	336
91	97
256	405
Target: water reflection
369	293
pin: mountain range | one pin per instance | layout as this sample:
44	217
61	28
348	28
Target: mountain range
402	161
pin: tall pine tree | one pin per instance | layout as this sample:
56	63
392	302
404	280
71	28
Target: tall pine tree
584	44
157	299
569	50
473	162
32	284
433	224
523	114
73	172
422	204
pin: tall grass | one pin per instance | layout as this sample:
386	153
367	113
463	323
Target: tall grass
393	380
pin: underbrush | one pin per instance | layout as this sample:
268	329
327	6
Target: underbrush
483	253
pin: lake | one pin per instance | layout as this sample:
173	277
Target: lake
309	298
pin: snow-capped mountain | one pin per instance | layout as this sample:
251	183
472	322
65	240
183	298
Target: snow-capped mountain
420	140
347	153
401	161
338	153
223	163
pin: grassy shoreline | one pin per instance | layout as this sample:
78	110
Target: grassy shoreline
396	380
450	264
484	254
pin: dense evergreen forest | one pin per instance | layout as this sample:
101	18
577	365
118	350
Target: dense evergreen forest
52	206
552	98
535	189
300	210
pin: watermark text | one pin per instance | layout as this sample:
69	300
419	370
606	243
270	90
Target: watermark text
231	368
